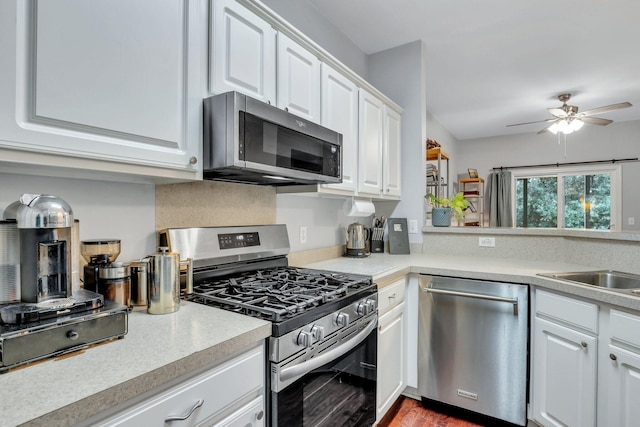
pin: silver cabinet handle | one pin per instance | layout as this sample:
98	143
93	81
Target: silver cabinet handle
193	160
513	301
259	415
198	404
612	356
584	344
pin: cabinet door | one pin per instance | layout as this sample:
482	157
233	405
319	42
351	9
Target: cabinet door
103	80
391	153
391	359
244	52
564	376
370	145
298	80
623	372
339	103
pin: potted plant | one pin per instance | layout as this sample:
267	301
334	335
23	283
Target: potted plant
443	208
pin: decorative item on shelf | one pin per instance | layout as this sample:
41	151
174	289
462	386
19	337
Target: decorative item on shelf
432	144
444	207
473	173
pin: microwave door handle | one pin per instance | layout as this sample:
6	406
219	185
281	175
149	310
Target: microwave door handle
513	301
311	364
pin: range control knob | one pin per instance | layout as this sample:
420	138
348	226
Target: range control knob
304	339
371	305
362	309
342	320
317	332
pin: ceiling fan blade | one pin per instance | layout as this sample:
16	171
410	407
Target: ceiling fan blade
543	130
530	123
558	112
596	121
605	109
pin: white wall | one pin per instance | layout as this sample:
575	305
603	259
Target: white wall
323	216
303	15
105	209
617	140
399	73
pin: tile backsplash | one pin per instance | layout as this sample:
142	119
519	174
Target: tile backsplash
214	203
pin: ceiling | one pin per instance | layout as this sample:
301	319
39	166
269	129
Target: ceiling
496	62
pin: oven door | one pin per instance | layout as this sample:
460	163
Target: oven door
340	392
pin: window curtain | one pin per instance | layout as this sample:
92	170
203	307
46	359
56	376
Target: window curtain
499	196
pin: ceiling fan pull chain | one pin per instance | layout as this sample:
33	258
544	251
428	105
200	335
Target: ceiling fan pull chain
565	145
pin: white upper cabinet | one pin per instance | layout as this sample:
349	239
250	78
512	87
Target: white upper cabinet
370	145
103	81
391	153
298	80
339	102
244	52
379	148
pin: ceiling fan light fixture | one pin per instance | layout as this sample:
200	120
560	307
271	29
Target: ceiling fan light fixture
577	124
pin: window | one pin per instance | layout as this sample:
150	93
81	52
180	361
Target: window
578	198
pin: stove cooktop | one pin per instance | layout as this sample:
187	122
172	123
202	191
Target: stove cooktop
283	294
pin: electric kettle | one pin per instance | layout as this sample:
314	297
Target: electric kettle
357	236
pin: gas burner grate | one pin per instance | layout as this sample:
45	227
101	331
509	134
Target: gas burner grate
276	294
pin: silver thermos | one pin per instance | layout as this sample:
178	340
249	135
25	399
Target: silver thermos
164	282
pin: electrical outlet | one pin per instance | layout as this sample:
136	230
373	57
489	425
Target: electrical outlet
303	234
632	221
413	226
487	242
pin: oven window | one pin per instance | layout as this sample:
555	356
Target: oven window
341	393
269	144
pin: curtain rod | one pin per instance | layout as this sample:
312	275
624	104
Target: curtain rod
635	159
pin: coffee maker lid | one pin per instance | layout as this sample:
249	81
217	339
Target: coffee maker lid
43	211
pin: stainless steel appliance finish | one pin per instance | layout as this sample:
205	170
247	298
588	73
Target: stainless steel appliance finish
357	237
473	345
248	141
322	351
164	282
25	343
9	262
45	224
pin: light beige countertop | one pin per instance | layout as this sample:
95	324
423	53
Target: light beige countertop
484	268
160	349
156	350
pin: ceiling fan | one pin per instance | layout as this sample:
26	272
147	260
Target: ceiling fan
567	118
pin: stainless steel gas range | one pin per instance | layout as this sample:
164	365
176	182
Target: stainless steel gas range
322	350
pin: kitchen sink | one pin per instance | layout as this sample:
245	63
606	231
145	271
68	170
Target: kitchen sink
612	280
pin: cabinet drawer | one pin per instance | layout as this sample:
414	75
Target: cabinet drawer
390	296
573	312
216	389
625	328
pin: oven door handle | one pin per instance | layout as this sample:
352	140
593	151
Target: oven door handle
316	362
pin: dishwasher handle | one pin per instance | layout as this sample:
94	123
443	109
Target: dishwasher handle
513	301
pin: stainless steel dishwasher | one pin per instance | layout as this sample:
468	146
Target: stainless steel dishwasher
472	345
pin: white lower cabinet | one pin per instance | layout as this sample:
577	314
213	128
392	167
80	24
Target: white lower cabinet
391	366
564	376
585	368
622	368
229	394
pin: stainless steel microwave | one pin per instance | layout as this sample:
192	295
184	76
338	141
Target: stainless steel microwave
248	141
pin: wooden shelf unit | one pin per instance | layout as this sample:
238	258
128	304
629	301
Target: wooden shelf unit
441	187
473	191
